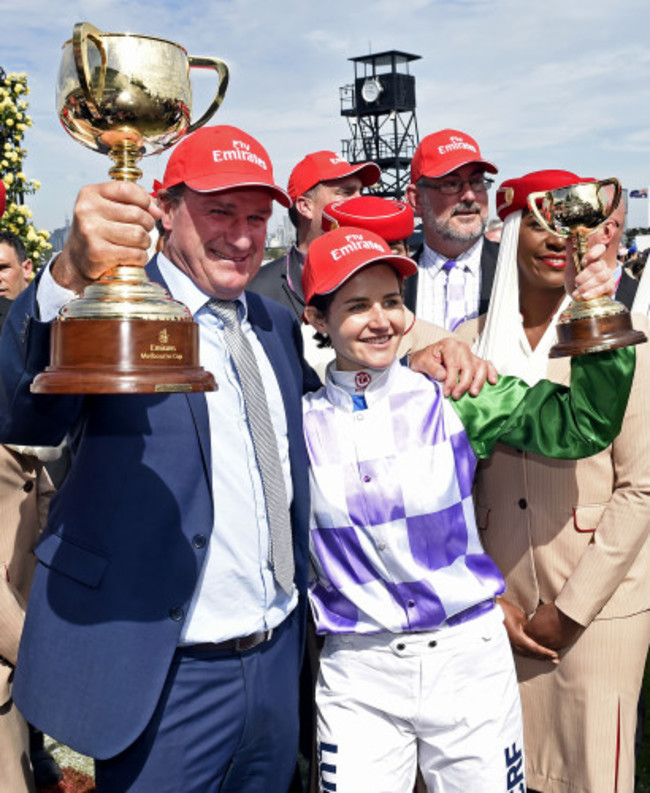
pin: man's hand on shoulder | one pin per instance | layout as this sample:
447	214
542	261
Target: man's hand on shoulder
111	225
452	362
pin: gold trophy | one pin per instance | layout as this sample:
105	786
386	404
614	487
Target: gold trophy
577	211
126	96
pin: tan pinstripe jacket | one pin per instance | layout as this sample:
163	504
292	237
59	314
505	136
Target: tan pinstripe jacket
419	334
574	533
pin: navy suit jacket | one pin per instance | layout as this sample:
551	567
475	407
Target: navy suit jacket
5	305
121	554
626	290
272	281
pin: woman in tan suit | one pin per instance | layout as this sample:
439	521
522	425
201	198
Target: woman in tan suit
571	538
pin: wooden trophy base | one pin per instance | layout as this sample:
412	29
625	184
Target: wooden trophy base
595	334
123	356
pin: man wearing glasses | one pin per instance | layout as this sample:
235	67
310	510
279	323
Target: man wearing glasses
449	191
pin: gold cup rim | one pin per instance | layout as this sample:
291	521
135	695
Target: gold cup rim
137	36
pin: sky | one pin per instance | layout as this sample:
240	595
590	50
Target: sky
556	84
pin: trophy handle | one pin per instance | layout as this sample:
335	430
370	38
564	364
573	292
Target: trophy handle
533	198
199	62
617	192
80	35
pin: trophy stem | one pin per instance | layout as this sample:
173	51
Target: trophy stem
581	249
125	155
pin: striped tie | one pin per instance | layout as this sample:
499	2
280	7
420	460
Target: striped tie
264	440
454	295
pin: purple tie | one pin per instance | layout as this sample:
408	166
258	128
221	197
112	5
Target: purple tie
454	295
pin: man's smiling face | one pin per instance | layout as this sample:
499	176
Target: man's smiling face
218	238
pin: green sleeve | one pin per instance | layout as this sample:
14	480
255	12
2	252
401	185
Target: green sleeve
551	419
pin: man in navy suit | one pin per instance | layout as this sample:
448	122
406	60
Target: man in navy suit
318	179
158	640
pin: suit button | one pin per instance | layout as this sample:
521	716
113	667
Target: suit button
523	503
176	613
28	486
198	541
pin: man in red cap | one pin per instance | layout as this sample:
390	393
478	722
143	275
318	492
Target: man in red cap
166	626
449	191
318	179
165	631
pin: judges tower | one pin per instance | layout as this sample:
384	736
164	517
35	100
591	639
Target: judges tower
380	109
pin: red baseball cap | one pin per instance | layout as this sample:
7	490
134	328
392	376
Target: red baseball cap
337	255
3	198
221	158
513	194
321	166
442	152
392	220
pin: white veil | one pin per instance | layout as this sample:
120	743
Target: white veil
502	340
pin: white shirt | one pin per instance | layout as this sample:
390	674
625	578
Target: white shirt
236	593
432	283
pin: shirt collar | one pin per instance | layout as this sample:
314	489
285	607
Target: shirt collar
469	260
372	383
183	288
297	254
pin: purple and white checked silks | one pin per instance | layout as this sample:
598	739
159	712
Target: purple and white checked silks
393	534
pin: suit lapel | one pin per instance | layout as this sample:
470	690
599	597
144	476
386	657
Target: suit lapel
411	284
292	283
196	401
626	290
489	256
